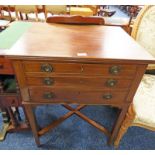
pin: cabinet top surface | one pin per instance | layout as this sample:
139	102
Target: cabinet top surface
77	41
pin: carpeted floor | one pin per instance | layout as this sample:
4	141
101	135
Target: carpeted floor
76	134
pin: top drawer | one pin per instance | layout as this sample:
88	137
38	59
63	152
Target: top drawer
78	68
5	66
48	67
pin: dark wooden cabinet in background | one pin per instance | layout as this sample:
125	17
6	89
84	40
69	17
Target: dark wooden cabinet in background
10	98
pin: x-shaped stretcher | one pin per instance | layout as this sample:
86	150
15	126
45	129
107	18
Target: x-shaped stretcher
70	113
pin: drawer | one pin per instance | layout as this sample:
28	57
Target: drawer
6	66
103	97
77	68
110	70
10	101
81	82
48	95
40	94
48	67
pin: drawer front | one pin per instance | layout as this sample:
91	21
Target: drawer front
40	94
103	97
48	67
77	68
84	97
110	70
82	82
6	66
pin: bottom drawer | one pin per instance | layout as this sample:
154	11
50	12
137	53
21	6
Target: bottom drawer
48	95
104	97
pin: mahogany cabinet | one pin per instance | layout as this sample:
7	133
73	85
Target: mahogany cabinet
88	65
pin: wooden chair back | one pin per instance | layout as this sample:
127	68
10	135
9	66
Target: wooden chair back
76	20
55	9
26	9
94	8
9	9
1	14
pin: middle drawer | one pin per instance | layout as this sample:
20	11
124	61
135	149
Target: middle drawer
80	81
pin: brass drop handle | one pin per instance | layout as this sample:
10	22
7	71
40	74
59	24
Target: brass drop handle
114	70
107	96
48	81
111	83
1	66
46	68
48	95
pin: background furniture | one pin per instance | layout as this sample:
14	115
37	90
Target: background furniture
81	11
26	9
41	13
106	12
142	111
124	23
4	24
9	9
94	8
55	9
131	10
76	20
10	100
75	72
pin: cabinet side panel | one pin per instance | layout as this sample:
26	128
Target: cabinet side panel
21	79
138	77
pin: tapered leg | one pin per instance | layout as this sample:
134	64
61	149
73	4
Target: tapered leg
32	121
118	123
127	122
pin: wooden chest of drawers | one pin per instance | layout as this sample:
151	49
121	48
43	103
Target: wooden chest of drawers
112	83
97	65
83	83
